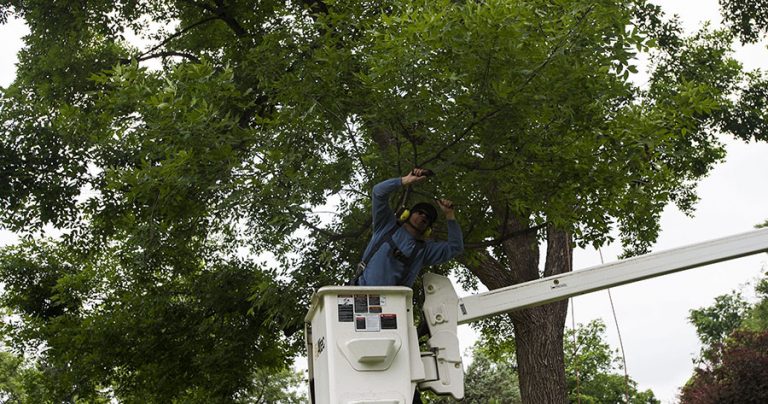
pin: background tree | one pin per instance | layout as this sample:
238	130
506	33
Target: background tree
749	21
284	386
734	358
185	339
737	373
714	323
592	368
491	377
171	168
595	371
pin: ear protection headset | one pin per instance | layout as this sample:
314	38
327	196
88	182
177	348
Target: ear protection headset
404	214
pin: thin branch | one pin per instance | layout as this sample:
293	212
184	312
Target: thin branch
478	167
229	20
351	134
499	240
411	139
457	139
169	54
177	34
317	6
204	6
323	212
356	192
332	236
488	66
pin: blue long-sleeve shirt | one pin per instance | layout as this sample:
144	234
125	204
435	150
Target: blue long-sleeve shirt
383	268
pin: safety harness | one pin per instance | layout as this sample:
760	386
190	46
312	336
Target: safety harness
407	261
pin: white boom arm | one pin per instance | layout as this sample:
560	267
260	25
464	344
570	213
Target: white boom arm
558	287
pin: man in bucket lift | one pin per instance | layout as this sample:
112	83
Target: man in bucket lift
400	246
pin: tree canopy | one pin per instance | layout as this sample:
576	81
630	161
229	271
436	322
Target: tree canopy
178	144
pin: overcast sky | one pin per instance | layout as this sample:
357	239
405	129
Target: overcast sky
652	315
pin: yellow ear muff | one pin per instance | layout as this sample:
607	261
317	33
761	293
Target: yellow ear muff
405	215
427	232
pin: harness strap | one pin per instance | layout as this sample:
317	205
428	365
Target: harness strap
416	250
361	266
407	261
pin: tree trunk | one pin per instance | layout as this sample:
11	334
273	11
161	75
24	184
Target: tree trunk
539	331
540	361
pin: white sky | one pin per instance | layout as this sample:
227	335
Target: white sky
659	342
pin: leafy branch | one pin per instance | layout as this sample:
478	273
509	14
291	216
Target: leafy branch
550	57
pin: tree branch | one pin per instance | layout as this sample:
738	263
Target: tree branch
176	35
488	269
169	54
559	252
503	238
317	6
220	11
337	236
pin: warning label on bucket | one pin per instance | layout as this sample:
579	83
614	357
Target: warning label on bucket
366	311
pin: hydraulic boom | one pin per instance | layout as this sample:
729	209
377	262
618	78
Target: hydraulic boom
563	286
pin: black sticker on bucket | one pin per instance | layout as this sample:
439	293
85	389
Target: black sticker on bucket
360	323
361	303
345	313
389	321
345	309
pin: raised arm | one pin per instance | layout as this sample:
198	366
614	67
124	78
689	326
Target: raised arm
382	212
443	251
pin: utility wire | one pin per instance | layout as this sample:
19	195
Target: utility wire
618	331
576	363
573	327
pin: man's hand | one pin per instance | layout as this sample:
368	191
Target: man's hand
447	208
416	176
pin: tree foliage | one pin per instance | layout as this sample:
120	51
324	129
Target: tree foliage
716	322
736	374
173	164
19	382
734	335
757	317
748	20
490	378
278	386
165	340
593	369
